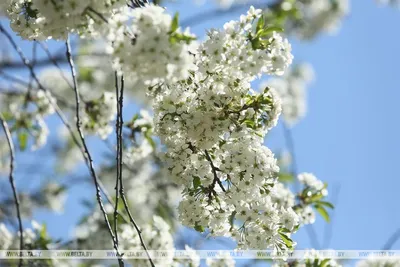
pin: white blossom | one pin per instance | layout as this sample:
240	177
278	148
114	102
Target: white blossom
151	52
292	89
99	114
221	260
5	237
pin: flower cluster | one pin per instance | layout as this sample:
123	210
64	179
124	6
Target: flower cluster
5	237
99	114
378	263
157	236
292	90
221	260
312	198
311	258
213	125
26	113
148	44
318	16
46	19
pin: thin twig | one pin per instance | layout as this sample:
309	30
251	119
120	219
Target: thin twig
117	129
216	180
392	240
59	112
59	58
55	63
12	183
87	153
120	163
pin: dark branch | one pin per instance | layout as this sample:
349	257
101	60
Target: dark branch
117	130
216	180
59	112
120	123
87	153
12	183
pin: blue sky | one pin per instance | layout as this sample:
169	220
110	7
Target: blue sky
349	137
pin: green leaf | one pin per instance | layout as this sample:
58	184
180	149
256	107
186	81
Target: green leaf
7	115
269	30
284	230
322	211
43	232
23	140
175	22
285	177
260	24
198	228
147	135
288	242
196	182
324	263
326	204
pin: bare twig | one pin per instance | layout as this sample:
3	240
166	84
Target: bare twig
12	183
392	240
117	130
216	180
59	58
59	112
87	153
119	166
55	62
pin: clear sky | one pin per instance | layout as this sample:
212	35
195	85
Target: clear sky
350	136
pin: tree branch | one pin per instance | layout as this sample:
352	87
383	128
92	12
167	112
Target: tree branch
216	180
87	153
120	123
12	183
117	130
59	112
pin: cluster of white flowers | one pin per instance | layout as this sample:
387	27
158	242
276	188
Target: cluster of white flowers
379	263
221	260
99	114
312	16
157	236
309	180
5	237
311	258
291	87
26	114
213	125
313	187
55	196
151	48
320	15
46	19
69	156
193	259
10	241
